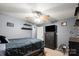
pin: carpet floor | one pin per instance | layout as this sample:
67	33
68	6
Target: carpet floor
50	52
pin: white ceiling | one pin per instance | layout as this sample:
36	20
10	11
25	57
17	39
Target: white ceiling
55	10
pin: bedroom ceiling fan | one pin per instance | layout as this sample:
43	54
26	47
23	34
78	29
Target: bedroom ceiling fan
38	17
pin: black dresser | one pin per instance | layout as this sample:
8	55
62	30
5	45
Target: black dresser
73	48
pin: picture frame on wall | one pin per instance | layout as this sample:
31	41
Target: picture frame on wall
9	24
63	23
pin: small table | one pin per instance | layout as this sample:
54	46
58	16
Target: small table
2	49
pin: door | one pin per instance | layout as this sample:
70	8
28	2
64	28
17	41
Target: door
40	33
50	37
49	40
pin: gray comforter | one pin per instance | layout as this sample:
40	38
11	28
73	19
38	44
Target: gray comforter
22	46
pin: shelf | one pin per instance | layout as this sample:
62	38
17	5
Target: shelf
27	25
26	28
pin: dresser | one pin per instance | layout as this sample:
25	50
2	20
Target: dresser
74	46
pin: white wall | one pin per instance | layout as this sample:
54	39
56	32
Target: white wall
63	32
13	32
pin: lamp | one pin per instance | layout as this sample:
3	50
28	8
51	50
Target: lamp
3	39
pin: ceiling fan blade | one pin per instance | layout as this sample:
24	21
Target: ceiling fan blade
45	18
28	18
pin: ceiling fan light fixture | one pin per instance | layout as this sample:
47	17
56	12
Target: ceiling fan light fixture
38	20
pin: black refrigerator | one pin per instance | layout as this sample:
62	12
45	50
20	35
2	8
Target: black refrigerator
51	36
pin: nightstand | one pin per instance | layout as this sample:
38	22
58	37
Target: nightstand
2	49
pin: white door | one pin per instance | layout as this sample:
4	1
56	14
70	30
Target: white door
40	33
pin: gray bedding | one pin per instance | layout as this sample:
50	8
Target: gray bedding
16	43
22	46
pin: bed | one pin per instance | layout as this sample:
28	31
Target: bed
24	47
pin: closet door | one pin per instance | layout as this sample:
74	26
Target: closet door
49	40
51	36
